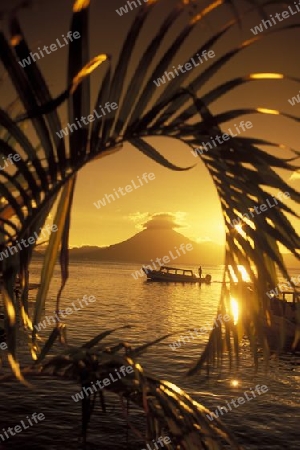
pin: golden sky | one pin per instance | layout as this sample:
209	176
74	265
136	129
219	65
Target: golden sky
190	195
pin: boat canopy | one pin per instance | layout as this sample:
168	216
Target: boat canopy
186	272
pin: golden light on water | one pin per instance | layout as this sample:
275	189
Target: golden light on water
234	383
234	308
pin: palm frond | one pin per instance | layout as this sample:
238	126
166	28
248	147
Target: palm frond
169	411
241	169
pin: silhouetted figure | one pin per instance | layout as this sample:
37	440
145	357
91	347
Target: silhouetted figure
200	272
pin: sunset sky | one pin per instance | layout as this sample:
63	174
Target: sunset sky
190	196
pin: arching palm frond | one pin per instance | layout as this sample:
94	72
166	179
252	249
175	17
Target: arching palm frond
241	169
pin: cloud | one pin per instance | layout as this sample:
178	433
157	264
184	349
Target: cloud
158	221
165	221
138	217
203	239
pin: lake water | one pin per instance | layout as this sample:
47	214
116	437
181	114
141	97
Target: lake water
270	421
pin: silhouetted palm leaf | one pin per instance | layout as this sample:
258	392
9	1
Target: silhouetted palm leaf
168	409
241	170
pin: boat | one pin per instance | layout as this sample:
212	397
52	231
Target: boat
172	274
280	325
283	327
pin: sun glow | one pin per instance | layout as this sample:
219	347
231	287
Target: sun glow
234	307
239	229
242	271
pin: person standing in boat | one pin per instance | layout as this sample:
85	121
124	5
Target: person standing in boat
200	272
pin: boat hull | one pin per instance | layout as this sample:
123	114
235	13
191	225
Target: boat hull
156	275
281	335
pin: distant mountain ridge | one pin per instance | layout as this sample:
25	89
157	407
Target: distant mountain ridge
148	245
151	244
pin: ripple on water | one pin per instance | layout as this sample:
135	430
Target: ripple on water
269	422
